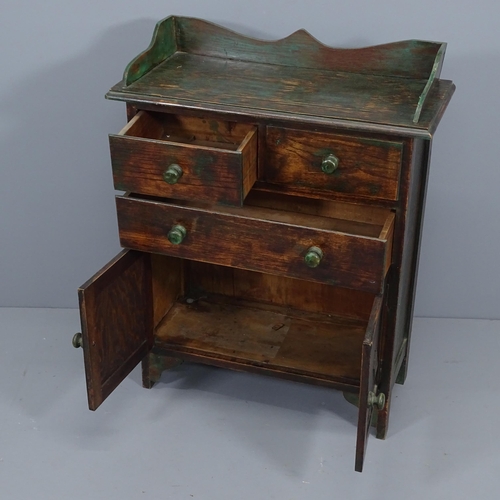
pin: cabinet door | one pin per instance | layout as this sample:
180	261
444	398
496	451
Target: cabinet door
117	322
369	378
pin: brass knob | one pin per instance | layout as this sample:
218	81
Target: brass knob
172	174
329	164
374	400
177	234
77	340
313	256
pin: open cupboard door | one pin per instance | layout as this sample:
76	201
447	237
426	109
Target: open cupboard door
117	322
368	396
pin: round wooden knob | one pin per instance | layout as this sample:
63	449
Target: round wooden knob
313	257
172	174
177	234
77	340
329	164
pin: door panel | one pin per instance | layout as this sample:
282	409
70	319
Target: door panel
117	322
368	388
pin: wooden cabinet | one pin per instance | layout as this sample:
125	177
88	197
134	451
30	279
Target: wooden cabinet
272	214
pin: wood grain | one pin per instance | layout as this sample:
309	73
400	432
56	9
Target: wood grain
218	159
291	92
168	283
367	167
117	322
408	59
369	375
251	238
277	290
273	337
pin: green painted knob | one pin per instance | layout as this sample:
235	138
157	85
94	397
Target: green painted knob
329	164
374	400
172	174
77	340
177	234
313	256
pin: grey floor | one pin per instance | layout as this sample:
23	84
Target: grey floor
211	434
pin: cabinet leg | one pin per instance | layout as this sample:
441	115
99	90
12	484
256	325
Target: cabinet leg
383	418
153	365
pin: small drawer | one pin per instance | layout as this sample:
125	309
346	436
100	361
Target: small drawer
333	162
185	158
315	241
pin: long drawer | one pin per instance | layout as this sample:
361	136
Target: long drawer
348	248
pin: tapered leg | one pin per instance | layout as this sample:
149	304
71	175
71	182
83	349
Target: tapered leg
153	365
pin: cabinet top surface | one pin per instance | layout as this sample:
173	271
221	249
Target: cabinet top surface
392	88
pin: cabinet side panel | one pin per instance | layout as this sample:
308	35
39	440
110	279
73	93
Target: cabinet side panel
411	246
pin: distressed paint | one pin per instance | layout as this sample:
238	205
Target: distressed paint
410	58
161	47
435	72
386	84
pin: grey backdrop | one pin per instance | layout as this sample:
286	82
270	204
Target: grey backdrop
59	57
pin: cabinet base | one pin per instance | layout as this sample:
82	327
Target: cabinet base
153	365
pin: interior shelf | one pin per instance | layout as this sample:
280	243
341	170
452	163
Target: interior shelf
322	346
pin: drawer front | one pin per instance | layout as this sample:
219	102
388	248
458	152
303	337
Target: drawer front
330	162
249	241
145	164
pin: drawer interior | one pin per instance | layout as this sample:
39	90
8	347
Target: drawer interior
181	129
362	220
249	320
359	220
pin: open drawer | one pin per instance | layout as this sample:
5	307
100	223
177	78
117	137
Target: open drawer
185	158
329	242
141	306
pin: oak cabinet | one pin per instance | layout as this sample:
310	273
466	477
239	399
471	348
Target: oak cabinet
272	214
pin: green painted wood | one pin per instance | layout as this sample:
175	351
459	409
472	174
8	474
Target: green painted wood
435	72
183	79
394	85
162	46
409	58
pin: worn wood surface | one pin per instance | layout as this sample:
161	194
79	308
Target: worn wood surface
251	333
168	283
408	59
162	46
258	239
299	61
367	167
375	108
117	322
241	85
407	246
369	373
370	215
218	159
203	278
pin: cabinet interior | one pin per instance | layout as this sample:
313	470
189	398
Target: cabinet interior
251	319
